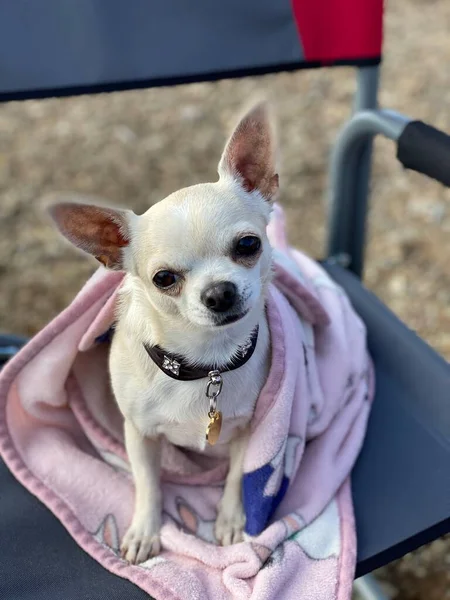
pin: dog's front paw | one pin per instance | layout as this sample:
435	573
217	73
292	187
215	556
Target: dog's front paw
141	541
230	525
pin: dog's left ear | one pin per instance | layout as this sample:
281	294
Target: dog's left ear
250	154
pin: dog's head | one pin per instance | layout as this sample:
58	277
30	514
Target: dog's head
201	255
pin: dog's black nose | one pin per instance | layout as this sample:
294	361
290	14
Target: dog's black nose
219	297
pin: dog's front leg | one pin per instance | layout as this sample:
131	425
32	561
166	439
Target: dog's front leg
231	518
142	538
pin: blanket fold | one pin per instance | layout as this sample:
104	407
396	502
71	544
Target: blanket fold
61	436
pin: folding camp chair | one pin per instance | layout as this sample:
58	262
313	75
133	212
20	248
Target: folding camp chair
401	482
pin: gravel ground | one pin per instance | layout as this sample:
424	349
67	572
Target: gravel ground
134	148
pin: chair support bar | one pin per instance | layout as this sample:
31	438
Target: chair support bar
347	200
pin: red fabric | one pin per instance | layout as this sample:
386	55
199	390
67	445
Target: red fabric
332	30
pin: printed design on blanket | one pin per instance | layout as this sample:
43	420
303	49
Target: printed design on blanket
192	522
265	487
307	430
107	533
321	539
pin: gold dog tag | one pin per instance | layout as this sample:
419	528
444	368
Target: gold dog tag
214	427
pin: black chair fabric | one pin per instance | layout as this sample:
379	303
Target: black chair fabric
40	561
62	47
401	483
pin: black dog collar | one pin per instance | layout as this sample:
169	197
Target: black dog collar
177	367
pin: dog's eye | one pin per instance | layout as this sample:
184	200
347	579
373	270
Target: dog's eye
165	279
248	245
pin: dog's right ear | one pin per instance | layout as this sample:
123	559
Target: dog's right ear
100	231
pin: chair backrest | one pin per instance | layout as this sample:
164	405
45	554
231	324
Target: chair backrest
62	47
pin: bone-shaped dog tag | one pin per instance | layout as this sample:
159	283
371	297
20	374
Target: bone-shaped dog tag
214	427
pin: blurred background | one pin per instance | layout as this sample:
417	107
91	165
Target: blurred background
134	148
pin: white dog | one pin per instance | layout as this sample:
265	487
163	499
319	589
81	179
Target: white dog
190	352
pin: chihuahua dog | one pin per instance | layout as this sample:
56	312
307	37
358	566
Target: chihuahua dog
190	352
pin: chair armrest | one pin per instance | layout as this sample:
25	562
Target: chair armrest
425	149
9	346
419	147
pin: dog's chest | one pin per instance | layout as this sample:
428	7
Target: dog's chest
156	404
179	409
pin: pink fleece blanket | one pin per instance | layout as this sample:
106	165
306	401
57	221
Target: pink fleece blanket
61	436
